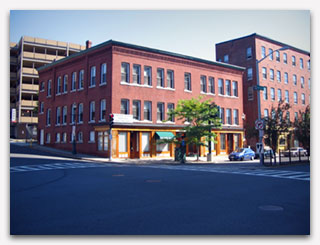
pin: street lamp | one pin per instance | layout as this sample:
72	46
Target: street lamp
258	94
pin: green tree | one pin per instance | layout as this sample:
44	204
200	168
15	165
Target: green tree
277	124
302	128
200	117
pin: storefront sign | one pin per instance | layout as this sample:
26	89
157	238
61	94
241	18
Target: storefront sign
123	118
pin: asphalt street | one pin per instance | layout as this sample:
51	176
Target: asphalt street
51	195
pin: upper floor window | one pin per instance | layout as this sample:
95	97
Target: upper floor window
286	96
221	112
249	52
226	58
301	63
160	111
285	58
160	77
103	110
264	72
308	64
235	88
125	72
124	109
220	86
294	79
81	79
41	107
170	78
93	76
136	74
64	115
49	88
65	83
279	95
265	93
211	85
263	51
92	111
58	115
136	108
278	76
148	75
293	60
295	97
272	94
80	113
103	74
302	82
270	54
41	86
187	81
236	116
48	122
249	73
286	78
59	86
271	73
303	99
228	116
73	81
203	84
147	111
73	113
228	87
170	108
277	56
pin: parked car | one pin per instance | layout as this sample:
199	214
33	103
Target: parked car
242	154
295	152
268	152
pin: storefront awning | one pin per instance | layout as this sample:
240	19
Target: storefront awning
165	135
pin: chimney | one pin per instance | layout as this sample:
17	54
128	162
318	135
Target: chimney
88	44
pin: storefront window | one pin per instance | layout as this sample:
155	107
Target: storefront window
145	142
223	142
123	142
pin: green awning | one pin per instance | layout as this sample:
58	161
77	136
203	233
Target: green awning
165	135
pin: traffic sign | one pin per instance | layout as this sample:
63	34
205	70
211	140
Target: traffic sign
259	148
259	124
258	87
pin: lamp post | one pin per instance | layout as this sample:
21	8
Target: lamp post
258	95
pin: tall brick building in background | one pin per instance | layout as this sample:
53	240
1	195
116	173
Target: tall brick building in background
285	76
138	85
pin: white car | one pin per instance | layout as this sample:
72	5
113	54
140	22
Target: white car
295	152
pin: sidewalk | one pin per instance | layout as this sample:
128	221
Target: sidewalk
217	160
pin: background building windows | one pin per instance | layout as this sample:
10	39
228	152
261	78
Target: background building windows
136	109
81	79
73	81
211	85
263	51
103	110
187	81
235	88
203	84
160	77
220	87
80	113
136	72
125	72
160	111
249	52
147	111
236	116
264	73
93	76
103	72
170	108
148	75
249	73
170	79
92	111
124	106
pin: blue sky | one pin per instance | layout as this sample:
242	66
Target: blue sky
188	32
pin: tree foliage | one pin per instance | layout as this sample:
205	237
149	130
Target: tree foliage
277	124
302	127
199	116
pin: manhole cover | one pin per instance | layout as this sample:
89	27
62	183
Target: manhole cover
271	208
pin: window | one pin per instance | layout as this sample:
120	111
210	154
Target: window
147	111
123	141
309	83
124	109
263	51
59	85
160	111
64	137
41	86
228	87
148	75
249	52
170	108
203	84
226	58
286	96
303	99
270	54
296	116
93	76
92	110
294	78
229	120
48	117
302	82
187	81
264	73
103	74
58	115
265	93
102	110
65	83
249	73
288	117
49	88
220	86
277	56
295	97
73	81
301	63
103	141
279	76
80	137
223	142
125	72
286	78
222	115
285	58
145	142
266	113
250	93
170	79
279	95
64	115
236	116
272	94
136	109
211	85
235	88
81	79
271	72
136	72
73	113
160	79
48	138
41	107
293	58
91	136
57	137
308	64
80	113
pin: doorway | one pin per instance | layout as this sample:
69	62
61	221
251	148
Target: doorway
134	145
230	143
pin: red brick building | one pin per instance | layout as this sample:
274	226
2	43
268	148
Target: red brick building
284	74
138	85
